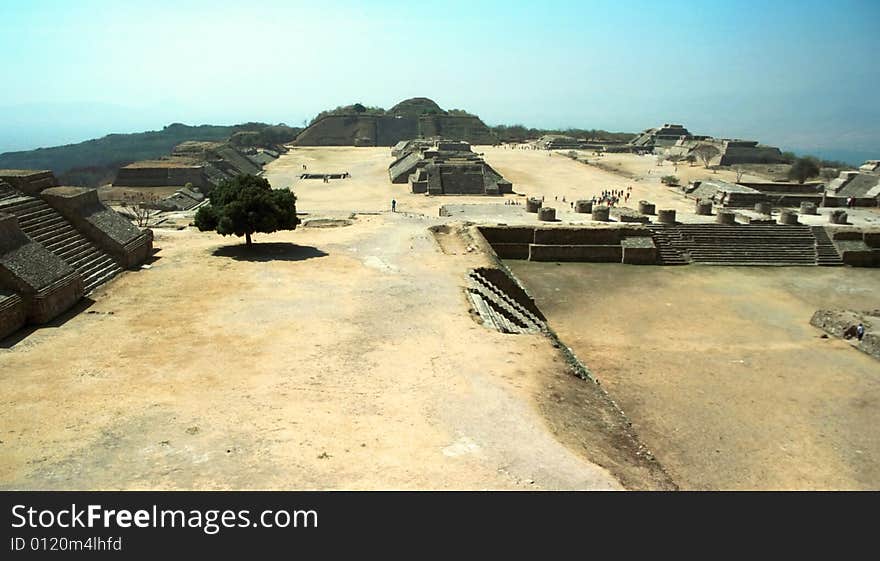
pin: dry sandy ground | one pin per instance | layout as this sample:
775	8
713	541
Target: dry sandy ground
329	358
346	358
720	371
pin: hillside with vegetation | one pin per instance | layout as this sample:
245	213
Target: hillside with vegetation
519	133
95	162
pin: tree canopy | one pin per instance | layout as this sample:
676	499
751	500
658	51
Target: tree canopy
803	169
245	205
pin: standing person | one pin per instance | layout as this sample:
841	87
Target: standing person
860	331
393	205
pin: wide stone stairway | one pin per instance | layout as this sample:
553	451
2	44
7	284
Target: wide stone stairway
45	225
744	244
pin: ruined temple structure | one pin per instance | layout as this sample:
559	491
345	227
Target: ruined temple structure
862	185
748	194
677	140
558	142
444	167
202	164
684	244
413	118
57	244
667	135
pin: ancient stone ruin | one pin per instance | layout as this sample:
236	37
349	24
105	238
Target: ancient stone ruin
842	324
57	244
671	243
863	186
676	140
413	118
443	167
748	194
502	304
203	165
558	142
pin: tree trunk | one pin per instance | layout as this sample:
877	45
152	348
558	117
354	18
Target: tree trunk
247	237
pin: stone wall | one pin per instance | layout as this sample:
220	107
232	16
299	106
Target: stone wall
106	228
13	313
388	130
30	182
139	175
633	245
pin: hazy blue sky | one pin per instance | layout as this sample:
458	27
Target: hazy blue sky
801	74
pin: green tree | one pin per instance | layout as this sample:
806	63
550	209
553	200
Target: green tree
245	205
803	169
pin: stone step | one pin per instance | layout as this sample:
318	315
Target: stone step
76	252
512	319
85	259
39	228
100	277
55	238
37	216
522	311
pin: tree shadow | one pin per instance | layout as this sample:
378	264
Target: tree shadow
12	340
273	251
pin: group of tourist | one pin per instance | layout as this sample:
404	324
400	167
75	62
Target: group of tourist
612	197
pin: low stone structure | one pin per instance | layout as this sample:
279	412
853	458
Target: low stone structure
203	165
30	182
725	217
626	214
109	230
788	217
601	213
837	217
182	199
46	284
703	208
631	245
558	142
842	324
862	186
647	208
583	207
443	167
547	214
57	245
808	208
857	247
666	216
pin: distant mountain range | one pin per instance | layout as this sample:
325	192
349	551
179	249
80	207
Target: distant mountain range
94	162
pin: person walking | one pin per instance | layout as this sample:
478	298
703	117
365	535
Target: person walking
393	205
860	331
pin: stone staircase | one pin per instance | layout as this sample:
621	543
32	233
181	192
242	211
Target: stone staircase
45	225
667	253
826	252
498	310
745	244
7	192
